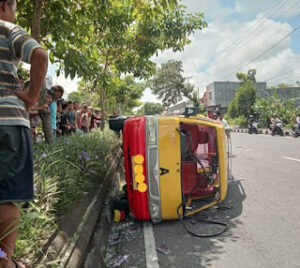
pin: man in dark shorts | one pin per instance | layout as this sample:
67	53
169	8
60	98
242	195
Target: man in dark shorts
16	167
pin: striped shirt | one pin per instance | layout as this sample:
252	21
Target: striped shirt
15	46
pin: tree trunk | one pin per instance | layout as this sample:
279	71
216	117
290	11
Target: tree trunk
36	30
45	116
120	109
36	20
102	109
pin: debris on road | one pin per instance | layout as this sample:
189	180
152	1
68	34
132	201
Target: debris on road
163	249
118	261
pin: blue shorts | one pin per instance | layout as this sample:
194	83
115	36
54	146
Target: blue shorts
16	164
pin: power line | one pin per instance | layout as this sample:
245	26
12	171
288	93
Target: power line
255	27
266	51
249	38
256	36
284	77
283	73
260	31
295	29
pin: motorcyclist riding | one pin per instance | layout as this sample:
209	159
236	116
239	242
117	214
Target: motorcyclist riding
276	125
252	127
298	120
296	128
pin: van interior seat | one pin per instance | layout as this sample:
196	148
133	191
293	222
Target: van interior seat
190	178
200	136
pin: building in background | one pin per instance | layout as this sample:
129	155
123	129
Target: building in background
288	93
218	95
222	93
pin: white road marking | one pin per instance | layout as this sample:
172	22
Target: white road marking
290	158
150	248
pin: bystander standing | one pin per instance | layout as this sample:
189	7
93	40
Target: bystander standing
16	177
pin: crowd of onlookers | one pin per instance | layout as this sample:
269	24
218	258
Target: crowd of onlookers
66	116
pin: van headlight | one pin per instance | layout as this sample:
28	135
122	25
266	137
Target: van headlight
151	128
153	169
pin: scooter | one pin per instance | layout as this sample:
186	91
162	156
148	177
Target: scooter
277	129
295	130
252	128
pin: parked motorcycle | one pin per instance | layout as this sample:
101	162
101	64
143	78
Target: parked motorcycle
277	130
252	128
295	130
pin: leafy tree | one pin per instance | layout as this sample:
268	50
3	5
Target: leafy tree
244	97
89	93
132	34
151	108
126	93
101	39
81	96
123	93
266	108
283	85
250	76
169	84
192	95
232	110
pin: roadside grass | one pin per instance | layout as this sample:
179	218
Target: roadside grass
63	172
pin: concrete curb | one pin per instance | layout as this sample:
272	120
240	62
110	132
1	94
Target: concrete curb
260	131
98	242
76	252
71	250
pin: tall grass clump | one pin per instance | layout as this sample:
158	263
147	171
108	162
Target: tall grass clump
63	172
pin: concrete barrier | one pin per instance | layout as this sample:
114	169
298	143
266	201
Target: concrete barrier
260	131
69	245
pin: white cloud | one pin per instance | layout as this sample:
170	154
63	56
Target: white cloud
270	8
282	68
228	45
149	97
235	35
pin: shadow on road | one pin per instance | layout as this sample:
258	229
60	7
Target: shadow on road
191	251
181	249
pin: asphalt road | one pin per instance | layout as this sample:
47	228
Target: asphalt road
264	219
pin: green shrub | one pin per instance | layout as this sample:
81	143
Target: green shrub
266	108
240	121
63	171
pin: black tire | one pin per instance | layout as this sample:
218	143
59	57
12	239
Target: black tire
281	133
256	131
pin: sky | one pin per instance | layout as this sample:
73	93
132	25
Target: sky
241	35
